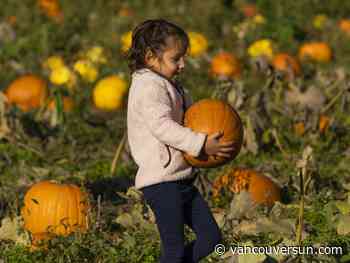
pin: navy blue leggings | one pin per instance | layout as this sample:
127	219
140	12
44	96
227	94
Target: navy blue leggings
175	204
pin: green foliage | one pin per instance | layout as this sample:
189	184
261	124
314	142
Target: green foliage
81	149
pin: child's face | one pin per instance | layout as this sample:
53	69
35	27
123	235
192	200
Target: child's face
171	62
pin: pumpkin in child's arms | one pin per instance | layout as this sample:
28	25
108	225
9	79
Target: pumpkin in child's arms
210	116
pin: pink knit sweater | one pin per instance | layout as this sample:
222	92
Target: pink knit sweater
155	132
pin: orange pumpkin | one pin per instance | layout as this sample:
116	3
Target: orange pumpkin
261	188
344	25
299	128
12	20
125	12
323	123
316	51
52	9
54	209
210	116
286	63
225	64
249	10
68	104
27	92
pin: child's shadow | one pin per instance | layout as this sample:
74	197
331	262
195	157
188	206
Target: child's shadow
107	188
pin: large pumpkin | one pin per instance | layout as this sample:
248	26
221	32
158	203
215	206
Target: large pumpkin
52	208
210	116
316	51
261	188
226	65
27	92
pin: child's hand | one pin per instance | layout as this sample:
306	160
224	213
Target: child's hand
214	147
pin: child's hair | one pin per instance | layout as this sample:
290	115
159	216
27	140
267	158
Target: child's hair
153	35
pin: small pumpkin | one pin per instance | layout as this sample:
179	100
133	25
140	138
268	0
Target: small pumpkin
126	12
249	10
54	209
86	69
52	9
61	75
323	123
316	51
287	63
126	41
261	48
344	25
198	44
12	20
319	21
210	116
225	64
109	92
299	128
27	92
260	187
68	104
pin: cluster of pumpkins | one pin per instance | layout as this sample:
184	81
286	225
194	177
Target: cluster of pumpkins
208	116
225	64
29	92
72	205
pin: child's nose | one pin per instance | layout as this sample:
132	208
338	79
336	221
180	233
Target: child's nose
181	63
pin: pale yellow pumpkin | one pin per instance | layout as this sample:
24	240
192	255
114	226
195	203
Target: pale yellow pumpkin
198	44
109	92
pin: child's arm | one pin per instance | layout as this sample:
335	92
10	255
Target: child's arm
155	106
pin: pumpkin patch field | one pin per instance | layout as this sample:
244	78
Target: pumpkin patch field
274	76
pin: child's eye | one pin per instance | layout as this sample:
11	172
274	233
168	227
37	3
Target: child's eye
177	59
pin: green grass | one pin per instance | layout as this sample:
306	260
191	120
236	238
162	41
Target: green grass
80	150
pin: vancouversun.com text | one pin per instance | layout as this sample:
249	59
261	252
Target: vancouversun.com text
221	249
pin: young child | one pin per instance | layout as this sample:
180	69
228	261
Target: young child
157	139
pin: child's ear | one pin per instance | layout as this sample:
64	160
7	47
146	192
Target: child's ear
149	57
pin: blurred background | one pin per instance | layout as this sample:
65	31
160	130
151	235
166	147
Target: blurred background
284	67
